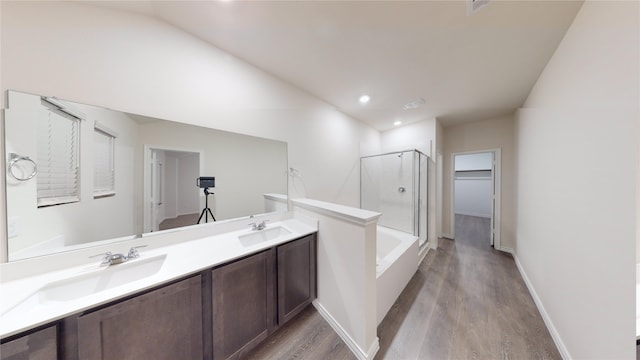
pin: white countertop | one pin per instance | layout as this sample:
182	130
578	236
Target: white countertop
182	259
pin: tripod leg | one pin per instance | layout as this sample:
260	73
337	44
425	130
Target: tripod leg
201	214
214	218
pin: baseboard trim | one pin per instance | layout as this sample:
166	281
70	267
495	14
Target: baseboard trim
422	253
564	352
507	250
351	344
447	236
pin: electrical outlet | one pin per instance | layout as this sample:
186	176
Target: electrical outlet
13	227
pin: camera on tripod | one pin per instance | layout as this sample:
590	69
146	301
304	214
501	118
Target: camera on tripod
206	182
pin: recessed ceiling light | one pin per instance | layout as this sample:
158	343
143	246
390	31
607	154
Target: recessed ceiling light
364	99
397	122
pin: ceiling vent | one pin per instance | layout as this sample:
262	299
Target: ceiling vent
414	104
474	5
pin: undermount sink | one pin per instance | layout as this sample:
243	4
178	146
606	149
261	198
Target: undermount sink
259	236
92	283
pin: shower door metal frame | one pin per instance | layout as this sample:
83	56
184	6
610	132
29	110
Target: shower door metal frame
415	168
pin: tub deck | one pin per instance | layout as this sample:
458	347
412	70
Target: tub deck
396	262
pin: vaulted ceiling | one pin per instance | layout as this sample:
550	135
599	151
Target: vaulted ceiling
465	67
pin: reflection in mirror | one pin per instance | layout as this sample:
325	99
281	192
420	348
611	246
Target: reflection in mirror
103	175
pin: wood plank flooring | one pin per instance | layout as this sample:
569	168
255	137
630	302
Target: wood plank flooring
180	221
467	301
307	336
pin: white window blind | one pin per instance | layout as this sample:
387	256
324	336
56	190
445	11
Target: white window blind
103	163
57	157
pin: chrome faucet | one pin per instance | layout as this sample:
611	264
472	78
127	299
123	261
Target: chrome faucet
256	227
109	259
133	252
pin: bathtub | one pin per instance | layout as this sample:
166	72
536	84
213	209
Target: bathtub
396	262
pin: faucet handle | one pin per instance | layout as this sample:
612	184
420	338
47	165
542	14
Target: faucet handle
133	252
253	224
260	226
106	258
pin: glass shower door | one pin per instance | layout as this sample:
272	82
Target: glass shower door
387	187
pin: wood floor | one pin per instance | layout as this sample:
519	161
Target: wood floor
307	336
467	301
180	221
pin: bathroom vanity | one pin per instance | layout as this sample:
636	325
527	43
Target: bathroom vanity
218	312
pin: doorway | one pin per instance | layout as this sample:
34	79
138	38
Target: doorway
476	191
171	196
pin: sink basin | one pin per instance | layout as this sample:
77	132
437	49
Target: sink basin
110	277
94	282
259	236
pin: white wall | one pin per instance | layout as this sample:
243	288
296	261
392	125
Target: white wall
577	180
188	194
171	185
420	136
140	65
473	197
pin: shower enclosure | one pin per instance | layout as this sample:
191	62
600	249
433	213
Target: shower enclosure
395	184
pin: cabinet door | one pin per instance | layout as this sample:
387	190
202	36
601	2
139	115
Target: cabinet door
39	345
243	305
162	324
296	277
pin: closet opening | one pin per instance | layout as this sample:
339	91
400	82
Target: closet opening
476	193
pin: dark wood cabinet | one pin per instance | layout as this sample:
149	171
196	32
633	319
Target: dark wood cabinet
296	277
162	324
243	304
38	345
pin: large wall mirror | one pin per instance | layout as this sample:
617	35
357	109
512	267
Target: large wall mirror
80	175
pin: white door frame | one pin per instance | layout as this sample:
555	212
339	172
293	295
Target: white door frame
146	178
496	179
